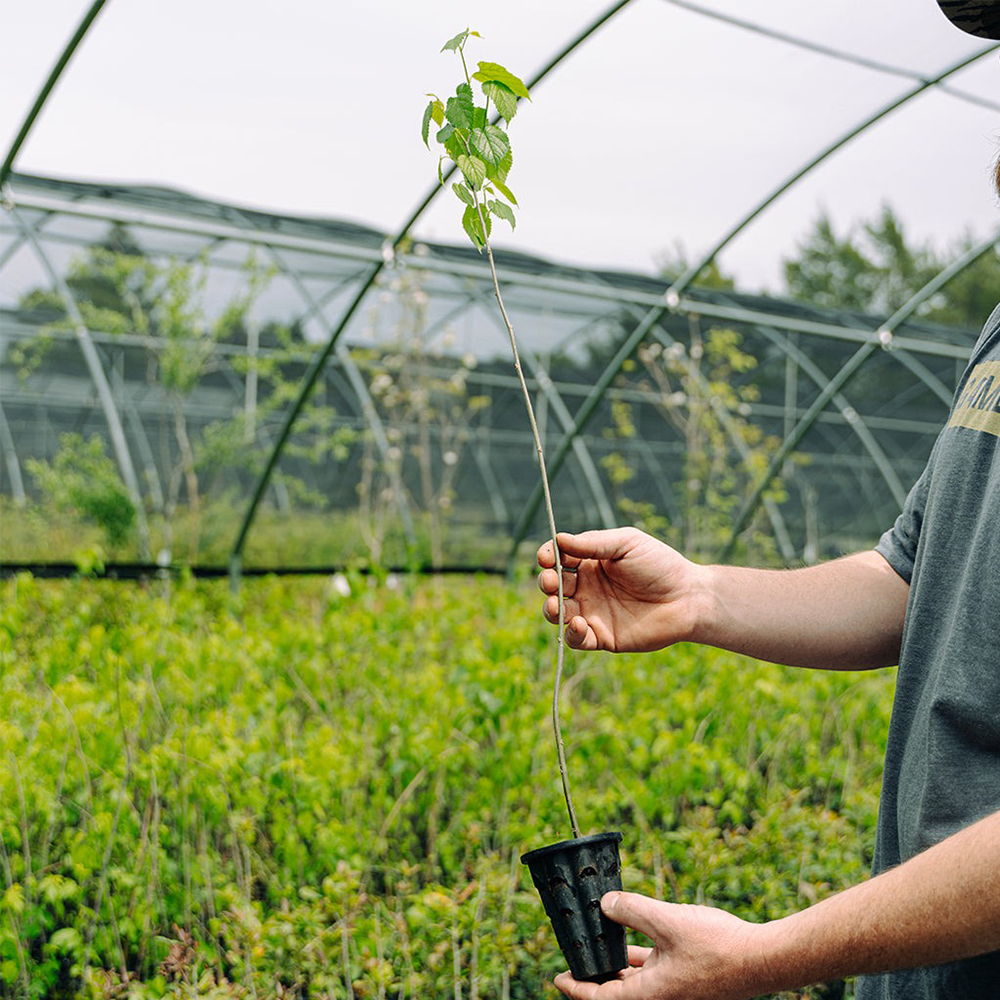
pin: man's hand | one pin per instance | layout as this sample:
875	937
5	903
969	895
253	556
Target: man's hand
698	953
625	591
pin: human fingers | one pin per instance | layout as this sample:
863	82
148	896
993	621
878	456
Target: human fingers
550	609
546	559
548	582
579	635
637	955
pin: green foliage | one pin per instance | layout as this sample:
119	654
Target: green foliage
83	479
325	787
480	149
873	268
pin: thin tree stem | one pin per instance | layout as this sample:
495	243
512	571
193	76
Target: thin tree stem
560	642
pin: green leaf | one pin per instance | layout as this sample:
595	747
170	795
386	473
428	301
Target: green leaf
426	124
490	144
464	194
503	167
504	190
472	224
455	145
478	117
473	168
445	134
490	72
454	44
459	108
437	111
503	97
501	211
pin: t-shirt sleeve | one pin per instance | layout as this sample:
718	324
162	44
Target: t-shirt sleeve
898	546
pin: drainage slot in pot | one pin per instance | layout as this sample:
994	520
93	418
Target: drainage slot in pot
557	882
589	872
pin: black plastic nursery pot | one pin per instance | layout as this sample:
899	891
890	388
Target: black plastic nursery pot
571	877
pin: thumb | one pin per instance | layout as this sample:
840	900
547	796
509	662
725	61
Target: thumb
633	910
612	543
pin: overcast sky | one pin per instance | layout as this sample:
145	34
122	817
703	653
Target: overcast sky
663	129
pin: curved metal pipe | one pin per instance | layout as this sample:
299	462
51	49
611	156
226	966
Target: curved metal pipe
47	87
320	358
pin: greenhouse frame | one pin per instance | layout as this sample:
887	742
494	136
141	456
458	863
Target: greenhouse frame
361	399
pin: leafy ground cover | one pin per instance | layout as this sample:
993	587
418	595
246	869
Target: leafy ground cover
304	791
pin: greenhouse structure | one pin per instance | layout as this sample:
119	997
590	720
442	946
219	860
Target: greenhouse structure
238	389
816	422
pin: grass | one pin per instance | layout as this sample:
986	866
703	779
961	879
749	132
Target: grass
303	793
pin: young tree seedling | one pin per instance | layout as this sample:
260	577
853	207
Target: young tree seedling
480	150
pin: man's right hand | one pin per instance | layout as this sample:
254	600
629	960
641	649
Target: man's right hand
625	591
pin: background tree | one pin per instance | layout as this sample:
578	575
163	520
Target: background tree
873	268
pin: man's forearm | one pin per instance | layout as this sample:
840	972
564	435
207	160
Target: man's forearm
940	906
847	613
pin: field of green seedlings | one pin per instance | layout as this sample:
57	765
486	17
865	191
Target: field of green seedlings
302	791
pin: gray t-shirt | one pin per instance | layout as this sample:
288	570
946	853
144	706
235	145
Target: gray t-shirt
942	767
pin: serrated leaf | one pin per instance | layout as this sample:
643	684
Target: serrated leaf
504	190
445	134
478	117
464	194
490	144
426	124
473	168
503	97
454	44
437	111
501	211
472	224
490	72
459	109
